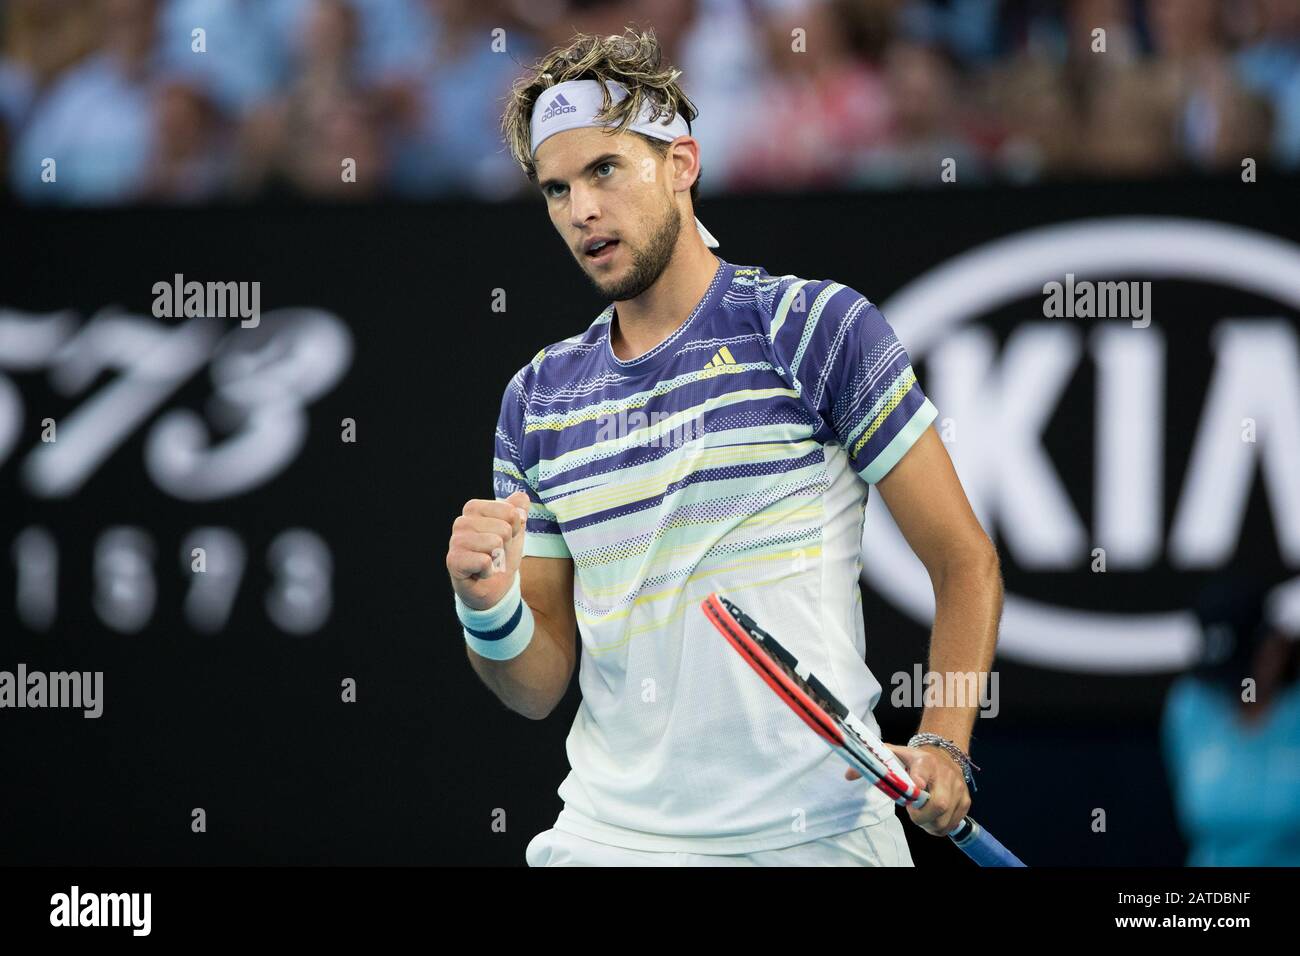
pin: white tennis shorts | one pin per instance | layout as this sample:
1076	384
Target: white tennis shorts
881	844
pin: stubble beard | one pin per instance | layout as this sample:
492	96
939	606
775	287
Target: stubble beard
648	262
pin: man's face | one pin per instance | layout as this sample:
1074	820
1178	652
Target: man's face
600	186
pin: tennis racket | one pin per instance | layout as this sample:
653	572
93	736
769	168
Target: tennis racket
834	723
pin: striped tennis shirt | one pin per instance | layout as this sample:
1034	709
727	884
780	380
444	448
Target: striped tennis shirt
736	457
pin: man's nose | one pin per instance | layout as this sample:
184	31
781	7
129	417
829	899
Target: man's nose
582	206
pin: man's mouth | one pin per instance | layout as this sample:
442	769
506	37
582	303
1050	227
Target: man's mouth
601	249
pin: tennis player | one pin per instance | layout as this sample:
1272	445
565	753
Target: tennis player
715	428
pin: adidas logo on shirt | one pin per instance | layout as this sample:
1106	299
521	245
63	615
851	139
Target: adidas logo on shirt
722	356
557	106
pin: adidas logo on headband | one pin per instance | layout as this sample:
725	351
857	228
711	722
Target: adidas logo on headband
557	106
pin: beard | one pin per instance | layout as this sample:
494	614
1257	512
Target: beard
648	262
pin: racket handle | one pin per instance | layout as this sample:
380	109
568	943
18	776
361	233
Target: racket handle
982	846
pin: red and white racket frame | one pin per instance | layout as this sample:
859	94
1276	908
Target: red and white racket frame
873	761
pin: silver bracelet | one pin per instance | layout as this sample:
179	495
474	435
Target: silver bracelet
950	748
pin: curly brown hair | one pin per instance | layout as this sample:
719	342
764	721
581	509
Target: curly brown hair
633	58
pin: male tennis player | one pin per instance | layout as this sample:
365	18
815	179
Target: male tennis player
716	428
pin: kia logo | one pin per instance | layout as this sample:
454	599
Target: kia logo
1001	403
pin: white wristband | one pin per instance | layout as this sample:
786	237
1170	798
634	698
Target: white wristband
502	631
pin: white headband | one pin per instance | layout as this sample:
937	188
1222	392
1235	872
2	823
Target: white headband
574	105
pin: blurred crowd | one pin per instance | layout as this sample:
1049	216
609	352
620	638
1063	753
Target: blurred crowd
179	101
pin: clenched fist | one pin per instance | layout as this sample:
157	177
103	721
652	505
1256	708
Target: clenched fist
486	548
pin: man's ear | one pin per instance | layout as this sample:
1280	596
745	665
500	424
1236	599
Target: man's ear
685	157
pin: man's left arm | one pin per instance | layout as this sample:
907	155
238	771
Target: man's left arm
851	366
927	502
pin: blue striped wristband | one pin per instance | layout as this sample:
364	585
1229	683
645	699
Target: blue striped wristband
502	631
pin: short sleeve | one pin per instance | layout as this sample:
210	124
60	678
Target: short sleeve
847	362
512	472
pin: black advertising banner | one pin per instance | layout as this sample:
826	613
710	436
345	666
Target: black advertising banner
233	440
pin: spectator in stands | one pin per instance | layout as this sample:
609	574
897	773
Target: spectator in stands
328	124
1231	730
1216	120
926	138
243	57
191	161
1127	121
454	145
1269	66
1040	124
969	29
96	119
824	103
39	40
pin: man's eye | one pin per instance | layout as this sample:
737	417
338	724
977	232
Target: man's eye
609	166
554	192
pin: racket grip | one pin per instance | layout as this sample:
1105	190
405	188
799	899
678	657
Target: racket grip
982	846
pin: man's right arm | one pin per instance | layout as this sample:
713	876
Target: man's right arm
534	683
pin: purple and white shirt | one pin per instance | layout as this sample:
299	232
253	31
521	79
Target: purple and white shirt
736	457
